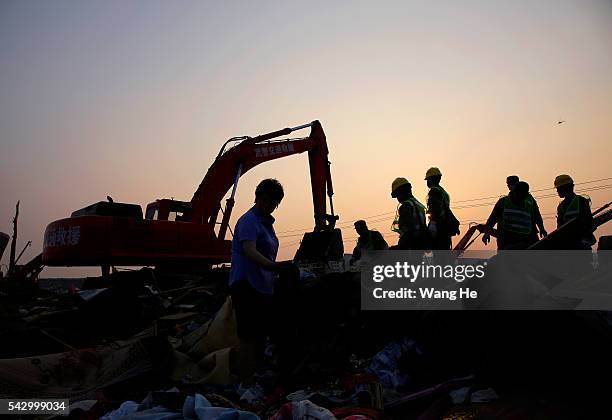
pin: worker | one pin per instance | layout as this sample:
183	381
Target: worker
515	221
511	182
409	219
442	223
368	240
255	275
578	235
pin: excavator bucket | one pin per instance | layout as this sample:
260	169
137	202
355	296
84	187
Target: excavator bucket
320	246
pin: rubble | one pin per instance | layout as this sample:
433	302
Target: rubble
64	342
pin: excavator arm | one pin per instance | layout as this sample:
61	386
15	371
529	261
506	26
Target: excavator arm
249	152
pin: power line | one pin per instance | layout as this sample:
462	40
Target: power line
356	237
339	224
533	191
346	223
349	222
596	188
468	222
545	216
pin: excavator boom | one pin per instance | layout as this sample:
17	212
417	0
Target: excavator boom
231	164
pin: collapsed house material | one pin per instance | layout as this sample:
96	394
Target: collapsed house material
76	374
195	407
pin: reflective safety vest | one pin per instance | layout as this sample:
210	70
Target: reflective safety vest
445	199
445	196
418	211
517	219
572	211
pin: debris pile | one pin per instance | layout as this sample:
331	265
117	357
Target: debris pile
141	344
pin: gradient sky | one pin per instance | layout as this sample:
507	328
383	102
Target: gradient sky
133	99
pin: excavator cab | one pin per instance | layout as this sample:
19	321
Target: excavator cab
109	208
169	209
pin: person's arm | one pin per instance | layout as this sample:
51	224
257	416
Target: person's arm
585	218
356	254
539	221
379	241
497	213
435	208
494	219
250	250
435	205
406	220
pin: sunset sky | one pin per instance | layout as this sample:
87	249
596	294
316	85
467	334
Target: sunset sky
133	100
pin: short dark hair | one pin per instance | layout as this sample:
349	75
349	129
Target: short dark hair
522	188
360	223
271	188
512	179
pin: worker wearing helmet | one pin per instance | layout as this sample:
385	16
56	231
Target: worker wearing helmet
577	210
442	223
511	182
368	240
515	220
409	219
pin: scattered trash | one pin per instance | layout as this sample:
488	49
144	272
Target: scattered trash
385	363
253	394
440	388
88	295
302	410
125	409
459	395
195	407
484	395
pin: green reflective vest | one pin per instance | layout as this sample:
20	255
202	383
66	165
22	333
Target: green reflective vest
418	211
445	196
517	219
571	211
530	199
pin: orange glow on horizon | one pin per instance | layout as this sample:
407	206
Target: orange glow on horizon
105	100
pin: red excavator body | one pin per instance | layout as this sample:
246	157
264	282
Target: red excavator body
179	232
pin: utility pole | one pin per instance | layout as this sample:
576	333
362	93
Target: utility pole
13	242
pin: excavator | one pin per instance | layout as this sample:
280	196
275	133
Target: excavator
176	233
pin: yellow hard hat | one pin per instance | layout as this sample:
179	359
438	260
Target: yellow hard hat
398	182
432	172
563	180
